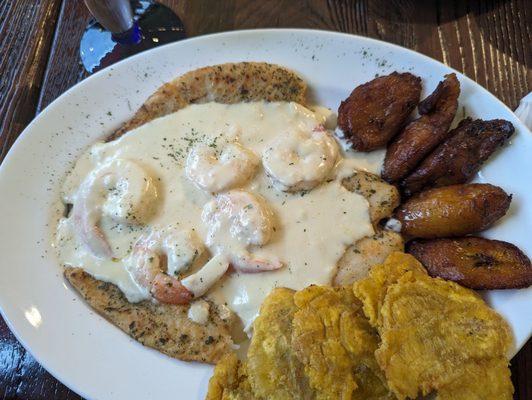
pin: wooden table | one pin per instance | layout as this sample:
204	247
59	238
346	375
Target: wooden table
490	41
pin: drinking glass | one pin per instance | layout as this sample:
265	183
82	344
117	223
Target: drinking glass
122	28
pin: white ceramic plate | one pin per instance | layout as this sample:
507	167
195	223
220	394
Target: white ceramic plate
80	348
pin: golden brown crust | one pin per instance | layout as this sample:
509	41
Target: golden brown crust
167	327
437	337
273	368
421	136
230	381
459	158
382	197
306	345
163	327
336	344
474	262
367	252
225	83
455	210
375	111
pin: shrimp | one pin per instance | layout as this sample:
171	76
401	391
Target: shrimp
146	266
300	160
250	265
237	220
181	247
120	190
214	172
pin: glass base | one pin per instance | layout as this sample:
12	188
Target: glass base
155	25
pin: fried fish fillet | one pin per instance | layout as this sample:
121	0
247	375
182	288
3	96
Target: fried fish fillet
367	252
382	197
421	136
163	327
436	336
225	83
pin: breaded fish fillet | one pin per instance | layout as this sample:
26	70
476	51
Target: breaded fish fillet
151	323
225	83
382	197
365	253
164	327
436	336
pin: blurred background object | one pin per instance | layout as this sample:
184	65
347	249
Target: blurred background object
122	28
524	111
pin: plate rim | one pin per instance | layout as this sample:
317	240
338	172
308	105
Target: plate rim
237	32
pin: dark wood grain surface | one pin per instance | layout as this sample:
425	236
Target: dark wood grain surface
489	41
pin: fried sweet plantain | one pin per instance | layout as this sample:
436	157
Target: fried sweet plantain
474	262
436	336
375	111
421	136
459	158
455	210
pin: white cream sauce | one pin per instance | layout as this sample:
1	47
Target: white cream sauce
312	228
199	311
